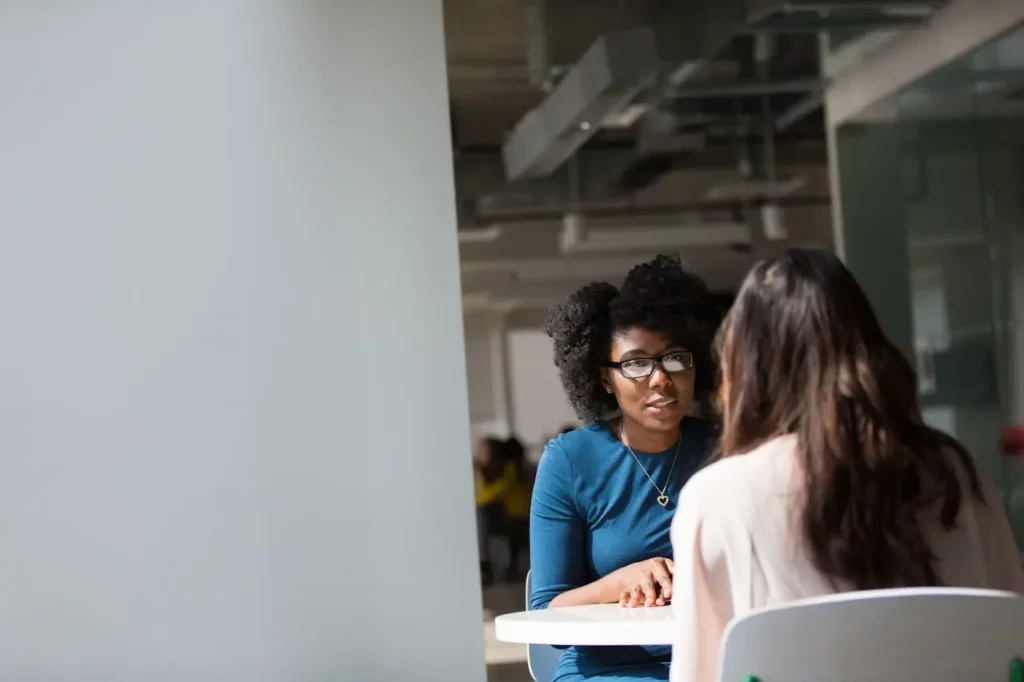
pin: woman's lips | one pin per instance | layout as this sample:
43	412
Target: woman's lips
662	403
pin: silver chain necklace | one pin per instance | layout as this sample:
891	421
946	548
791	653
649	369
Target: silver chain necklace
662	496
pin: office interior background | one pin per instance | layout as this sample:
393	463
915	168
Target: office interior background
579	154
225	224
589	136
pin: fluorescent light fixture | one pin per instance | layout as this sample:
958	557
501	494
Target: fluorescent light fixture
754	189
484	235
915	9
652	237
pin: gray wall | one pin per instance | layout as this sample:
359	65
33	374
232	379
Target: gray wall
233	398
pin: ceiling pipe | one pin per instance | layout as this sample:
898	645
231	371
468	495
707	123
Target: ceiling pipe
891	6
803	108
755	88
483	191
553	215
804	24
538	64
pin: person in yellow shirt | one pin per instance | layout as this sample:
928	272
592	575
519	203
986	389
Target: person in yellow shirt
516	503
503	491
488	471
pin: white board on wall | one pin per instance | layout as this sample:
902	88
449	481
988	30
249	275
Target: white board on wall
538	401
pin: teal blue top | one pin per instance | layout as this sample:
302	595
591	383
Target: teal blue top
595	511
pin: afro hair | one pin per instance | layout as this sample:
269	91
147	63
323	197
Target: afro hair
658	295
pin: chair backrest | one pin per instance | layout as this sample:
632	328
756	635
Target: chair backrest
541	659
909	635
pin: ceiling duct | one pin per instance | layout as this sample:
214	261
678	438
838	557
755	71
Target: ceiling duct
603	82
600	87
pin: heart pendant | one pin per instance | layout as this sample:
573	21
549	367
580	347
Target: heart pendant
663	500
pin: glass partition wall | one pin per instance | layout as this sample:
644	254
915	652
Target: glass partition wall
931	183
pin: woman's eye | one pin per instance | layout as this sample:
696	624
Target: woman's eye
634	367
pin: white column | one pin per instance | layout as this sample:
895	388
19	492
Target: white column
232	388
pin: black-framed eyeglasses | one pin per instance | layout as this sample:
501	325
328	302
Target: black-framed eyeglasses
638	368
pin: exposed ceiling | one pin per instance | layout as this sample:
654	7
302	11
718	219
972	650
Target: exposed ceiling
663	117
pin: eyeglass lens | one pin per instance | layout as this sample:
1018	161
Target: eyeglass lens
642	367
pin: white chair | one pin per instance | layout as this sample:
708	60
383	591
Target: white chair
907	635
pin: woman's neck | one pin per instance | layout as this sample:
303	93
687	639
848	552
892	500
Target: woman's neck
644	440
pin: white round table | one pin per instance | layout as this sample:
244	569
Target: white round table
600	625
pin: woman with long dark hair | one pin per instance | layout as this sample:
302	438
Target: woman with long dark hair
633	362
828	479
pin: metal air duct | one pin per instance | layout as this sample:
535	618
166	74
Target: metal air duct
685	35
605	80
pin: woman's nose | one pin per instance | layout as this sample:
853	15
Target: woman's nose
659	377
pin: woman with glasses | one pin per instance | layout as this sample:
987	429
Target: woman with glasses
633	361
830	480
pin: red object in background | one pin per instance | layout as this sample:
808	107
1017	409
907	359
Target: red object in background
1013	441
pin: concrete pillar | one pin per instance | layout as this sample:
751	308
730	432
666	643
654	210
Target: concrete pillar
233	398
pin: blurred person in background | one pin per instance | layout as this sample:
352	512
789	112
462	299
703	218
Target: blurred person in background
504	482
488	473
829	480
518	476
632	362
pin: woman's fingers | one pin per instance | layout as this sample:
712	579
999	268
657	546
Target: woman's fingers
664	579
650	591
652	586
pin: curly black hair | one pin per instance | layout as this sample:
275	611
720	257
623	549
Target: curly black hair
658	295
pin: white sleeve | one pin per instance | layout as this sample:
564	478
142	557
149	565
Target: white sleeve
702	594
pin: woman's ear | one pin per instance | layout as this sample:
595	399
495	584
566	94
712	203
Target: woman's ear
606	382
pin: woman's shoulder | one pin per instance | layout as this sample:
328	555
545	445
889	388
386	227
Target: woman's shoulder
581	441
737	480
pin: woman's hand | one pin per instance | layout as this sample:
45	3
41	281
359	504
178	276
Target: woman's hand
645	583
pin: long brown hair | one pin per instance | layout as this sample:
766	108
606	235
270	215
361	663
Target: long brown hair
802	353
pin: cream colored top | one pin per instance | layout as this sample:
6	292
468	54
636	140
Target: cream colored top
736	513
